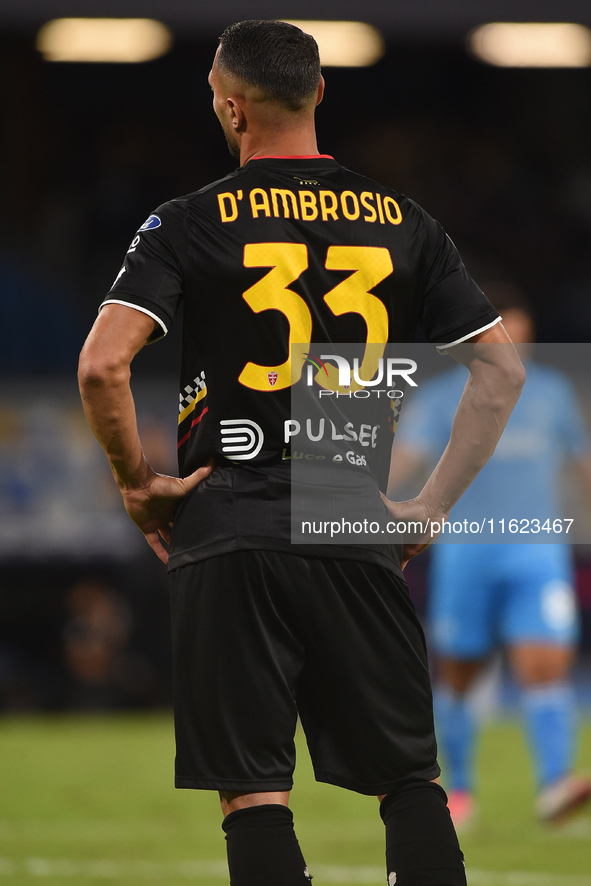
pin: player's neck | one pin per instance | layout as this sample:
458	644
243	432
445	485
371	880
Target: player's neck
283	144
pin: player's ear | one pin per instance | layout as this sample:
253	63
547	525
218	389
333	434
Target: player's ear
236	114
321	86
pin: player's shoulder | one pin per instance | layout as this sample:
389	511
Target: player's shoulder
364	182
172	215
178	205
219	184
419	225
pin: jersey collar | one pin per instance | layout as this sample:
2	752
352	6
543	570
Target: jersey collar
293	157
303	161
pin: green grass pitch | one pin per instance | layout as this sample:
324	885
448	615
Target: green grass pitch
89	800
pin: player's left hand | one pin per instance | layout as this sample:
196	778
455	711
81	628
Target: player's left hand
152	506
415	510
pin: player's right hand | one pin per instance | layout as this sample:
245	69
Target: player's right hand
153	505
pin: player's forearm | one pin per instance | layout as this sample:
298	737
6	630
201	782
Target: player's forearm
583	469
490	394
117	335
110	411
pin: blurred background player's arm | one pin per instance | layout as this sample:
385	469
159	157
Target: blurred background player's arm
151	499
582	467
493	387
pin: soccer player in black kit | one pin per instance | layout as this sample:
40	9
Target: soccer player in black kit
290	248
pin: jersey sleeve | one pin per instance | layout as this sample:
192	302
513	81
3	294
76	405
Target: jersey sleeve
151	278
454	307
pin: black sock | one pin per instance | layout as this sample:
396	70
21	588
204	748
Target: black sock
263	849
421	843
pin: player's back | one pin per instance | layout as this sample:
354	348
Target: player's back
279	258
287	251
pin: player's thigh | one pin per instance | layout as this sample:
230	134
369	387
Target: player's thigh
464	600
537	664
541	600
459	673
235	665
364	694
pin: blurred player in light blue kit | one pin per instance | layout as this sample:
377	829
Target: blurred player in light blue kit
520	596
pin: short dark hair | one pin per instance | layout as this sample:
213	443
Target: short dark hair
276	57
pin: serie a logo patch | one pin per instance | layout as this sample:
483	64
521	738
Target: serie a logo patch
153	221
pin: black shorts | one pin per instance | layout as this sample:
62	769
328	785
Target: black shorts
260	637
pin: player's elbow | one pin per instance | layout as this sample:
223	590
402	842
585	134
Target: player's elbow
498	384
503	387
514	375
98	368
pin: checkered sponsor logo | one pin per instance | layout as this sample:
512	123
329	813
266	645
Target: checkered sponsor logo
191	391
395	406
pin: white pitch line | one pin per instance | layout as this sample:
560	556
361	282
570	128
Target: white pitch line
191	870
525	878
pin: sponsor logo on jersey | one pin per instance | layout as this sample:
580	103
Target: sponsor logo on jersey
296	456
242	439
272	378
325	429
191	395
153	221
306	181
353	459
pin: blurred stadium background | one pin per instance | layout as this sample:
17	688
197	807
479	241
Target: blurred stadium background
500	155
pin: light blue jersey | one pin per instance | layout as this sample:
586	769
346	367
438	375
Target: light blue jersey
484	594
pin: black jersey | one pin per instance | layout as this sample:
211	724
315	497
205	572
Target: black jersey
282	254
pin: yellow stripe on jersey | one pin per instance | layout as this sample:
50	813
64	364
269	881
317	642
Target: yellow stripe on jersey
191	407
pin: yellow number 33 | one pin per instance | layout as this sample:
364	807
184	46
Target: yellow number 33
370	265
